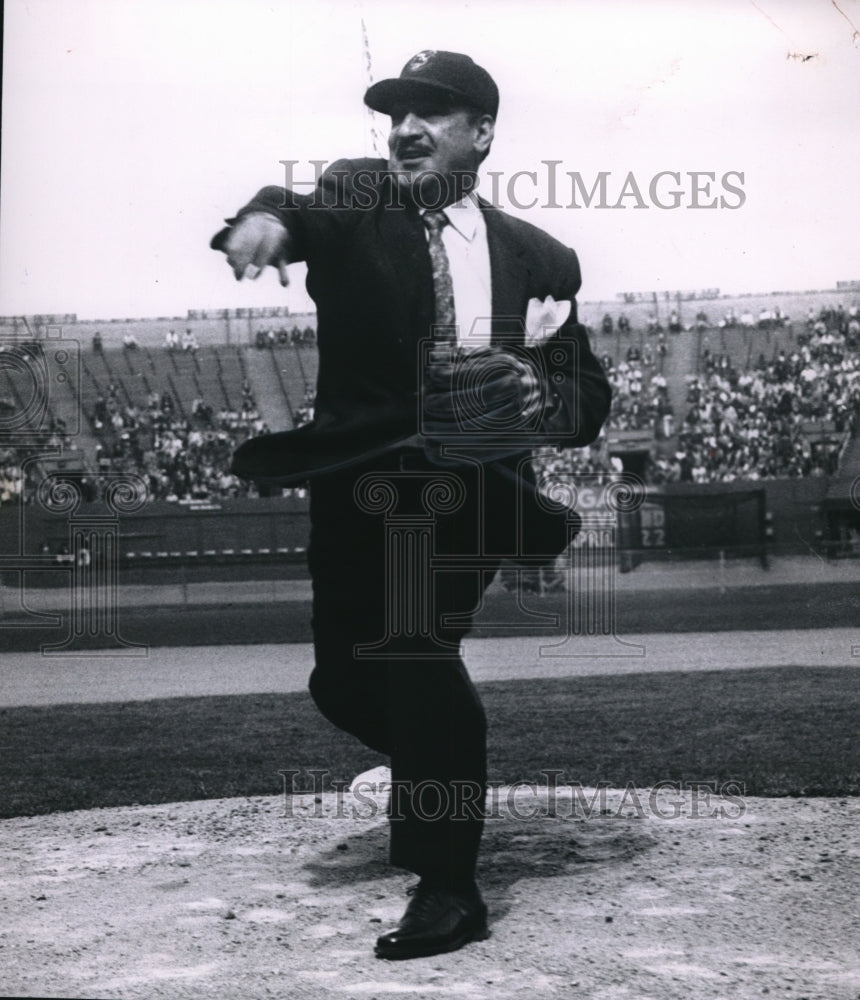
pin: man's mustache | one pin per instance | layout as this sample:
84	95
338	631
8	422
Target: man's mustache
405	151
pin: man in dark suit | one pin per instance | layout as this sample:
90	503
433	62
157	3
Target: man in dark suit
429	401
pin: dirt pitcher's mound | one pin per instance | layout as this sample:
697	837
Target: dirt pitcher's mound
633	895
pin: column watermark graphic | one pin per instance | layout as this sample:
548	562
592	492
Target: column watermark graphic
41	423
481	412
590	565
94	563
408	553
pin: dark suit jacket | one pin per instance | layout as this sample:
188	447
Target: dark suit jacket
369	274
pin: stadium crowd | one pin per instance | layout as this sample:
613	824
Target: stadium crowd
269	337
785	417
179	457
11	475
634	409
19	469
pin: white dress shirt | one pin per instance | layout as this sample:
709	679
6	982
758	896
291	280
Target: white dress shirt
465	240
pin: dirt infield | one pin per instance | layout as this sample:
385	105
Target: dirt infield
633	896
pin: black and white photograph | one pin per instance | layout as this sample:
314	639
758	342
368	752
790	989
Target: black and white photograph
430	499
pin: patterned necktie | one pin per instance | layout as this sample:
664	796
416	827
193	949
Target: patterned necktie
445	331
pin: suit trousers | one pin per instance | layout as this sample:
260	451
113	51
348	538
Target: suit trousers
397	574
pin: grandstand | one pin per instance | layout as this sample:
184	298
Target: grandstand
720	400
723	386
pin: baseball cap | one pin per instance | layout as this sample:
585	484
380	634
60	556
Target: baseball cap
432	71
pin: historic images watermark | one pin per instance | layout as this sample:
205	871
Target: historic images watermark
522	801
551	186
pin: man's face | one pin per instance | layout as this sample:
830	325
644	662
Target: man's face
434	147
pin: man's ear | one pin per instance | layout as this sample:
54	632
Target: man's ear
485	128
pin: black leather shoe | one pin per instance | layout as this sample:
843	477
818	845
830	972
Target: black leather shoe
435	921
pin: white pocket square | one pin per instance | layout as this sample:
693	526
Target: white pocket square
544	318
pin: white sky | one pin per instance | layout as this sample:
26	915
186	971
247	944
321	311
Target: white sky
132	127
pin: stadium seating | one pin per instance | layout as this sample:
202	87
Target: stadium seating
711	404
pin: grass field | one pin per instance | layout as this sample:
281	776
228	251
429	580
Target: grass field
705	609
779	732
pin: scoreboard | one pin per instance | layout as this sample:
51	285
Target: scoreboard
689	520
652	526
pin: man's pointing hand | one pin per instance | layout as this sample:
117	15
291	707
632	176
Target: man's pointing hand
256	240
